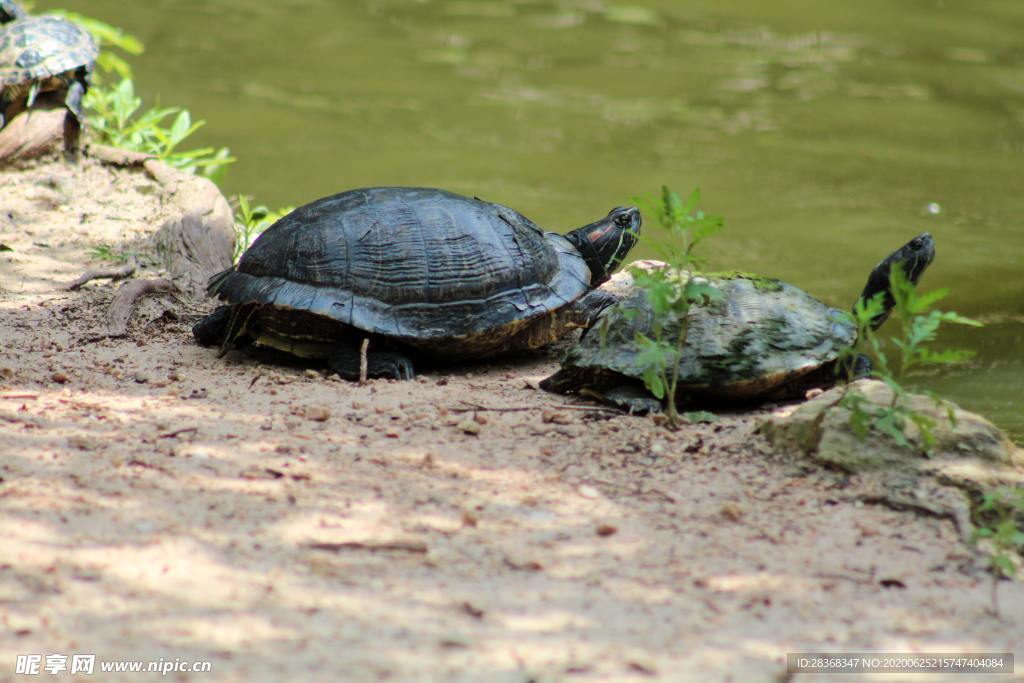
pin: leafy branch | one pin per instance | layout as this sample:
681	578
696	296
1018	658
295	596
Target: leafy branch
914	351
671	291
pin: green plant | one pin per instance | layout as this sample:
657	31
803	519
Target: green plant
115	116
914	351
1006	538
250	221
671	291
107	252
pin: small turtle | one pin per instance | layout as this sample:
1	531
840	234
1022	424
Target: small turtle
413	270
764	339
45	56
10	10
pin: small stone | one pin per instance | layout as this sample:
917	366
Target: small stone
312	374
82	442
140	377
606	530
469	426
588	491
317	414
731	511
554	417
479	418
59	378
814	393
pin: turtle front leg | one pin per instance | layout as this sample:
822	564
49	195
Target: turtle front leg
592	304
633	399
73	122
345	362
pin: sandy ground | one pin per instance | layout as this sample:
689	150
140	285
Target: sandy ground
159	503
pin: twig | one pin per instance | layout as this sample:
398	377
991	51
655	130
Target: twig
179	432
363	361
118	273
472	407
29	397
124	302
399	546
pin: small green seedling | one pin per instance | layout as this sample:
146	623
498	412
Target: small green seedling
914	351
672	291
106	252
250	221
1005	537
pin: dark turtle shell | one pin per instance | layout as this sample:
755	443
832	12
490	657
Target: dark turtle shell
762	335
419	265
10	10
36	48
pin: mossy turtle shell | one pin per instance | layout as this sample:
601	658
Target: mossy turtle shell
410	263
759	336
36	48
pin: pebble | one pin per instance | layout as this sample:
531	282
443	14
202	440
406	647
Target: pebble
469	426
317	414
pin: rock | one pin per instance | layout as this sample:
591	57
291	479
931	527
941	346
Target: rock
970	456
469	426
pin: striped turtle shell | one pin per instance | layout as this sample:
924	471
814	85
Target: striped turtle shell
419	265
36	48
760	336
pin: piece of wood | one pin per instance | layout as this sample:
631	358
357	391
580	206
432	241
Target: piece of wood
363	360
118	273
120	311
200	241
32	133
118	157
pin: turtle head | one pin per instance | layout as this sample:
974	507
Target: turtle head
9	11
604	244
913	257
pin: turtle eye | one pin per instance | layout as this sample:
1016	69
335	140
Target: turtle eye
623	220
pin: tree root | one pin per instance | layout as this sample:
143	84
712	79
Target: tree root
120	310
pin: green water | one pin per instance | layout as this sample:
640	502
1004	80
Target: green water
821	131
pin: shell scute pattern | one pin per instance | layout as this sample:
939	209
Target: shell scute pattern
39	47
410	263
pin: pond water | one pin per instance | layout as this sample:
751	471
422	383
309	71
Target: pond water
827	134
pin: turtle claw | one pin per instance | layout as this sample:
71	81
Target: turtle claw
393	365
378	364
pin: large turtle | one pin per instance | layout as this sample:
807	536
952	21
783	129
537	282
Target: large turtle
9	11
49	57
763	339
413	269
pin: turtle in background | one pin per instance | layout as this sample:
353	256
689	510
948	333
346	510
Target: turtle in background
10	10
414	271
763	340
44	58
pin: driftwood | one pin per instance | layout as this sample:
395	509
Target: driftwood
32	133
120	311
197	243
201	240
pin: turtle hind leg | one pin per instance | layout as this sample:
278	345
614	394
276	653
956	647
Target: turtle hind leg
345	362
211	329
73	121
